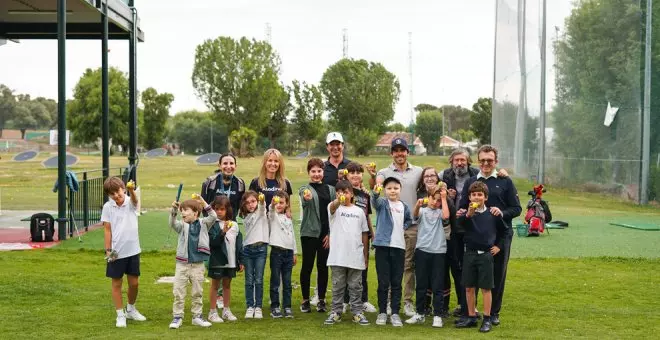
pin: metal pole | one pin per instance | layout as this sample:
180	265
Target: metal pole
105	101
132	120
646	125
541	173
61	117
492	102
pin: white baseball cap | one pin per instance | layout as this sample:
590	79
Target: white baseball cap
334	136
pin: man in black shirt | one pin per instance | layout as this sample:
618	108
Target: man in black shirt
334	143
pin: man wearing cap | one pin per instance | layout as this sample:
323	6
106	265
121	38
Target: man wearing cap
409	176
334	143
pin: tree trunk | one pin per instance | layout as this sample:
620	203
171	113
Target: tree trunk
22	134
308	145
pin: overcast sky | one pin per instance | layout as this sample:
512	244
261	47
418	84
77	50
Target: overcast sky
452	45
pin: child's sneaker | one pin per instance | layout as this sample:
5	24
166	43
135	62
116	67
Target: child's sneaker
288	313
199	321
227	315
220	303
320	307
344	308
249	313
258	313
416	319
121	321
360	319
395	320
275	313
134	315
369	308
409	309
305	307
215	318
176	323
332	319
381	320
437	322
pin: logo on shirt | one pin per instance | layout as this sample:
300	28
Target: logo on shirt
272	189
349	215
225	192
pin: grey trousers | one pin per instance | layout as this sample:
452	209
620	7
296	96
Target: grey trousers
342	277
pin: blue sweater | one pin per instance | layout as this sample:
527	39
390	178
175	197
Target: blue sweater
385	221
483	230
501	194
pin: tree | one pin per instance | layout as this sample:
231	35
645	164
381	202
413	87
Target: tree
456	117
277	122
425	107
51	108
192	130
7	105
243	142
463	135
238	81
360	98
429	129
396	127
156	112
30	114
307	112
84	111
481	118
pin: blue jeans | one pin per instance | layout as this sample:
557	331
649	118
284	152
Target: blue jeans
254	257
281	263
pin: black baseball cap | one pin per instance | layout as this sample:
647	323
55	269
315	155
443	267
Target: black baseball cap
399	142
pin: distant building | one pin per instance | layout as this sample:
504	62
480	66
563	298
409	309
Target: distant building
385	142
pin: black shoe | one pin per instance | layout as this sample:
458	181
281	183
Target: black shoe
320	307
444	314
486	326
468	322
305	308
495	320
457	312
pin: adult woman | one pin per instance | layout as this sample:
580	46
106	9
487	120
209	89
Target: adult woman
223	182
271	176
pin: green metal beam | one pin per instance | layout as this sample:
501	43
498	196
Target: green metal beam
61	124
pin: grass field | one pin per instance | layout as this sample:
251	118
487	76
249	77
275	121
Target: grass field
591	280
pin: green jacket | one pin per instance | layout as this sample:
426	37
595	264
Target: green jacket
219	256
311	216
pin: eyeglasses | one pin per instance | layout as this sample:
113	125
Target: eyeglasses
486	161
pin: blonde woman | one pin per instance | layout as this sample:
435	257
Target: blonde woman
271	177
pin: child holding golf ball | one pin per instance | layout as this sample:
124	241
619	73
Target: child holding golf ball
283	255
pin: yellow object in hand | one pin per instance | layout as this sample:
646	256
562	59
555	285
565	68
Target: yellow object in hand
372	165
344	172
342	199
474	205
276	199
194	196
306	192
130	185
379	189
261	197
426	200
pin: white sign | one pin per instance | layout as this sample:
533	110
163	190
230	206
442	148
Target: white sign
610	113
53	137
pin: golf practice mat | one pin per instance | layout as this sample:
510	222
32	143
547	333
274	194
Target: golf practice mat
640	226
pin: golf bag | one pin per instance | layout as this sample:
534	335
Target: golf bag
538	212
42	227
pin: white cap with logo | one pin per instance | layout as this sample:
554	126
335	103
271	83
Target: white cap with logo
334	136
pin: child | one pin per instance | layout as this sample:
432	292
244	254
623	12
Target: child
283	254
314	228
122	246
226	257
191	252
430	253
362	200
348	253
253	212
392	217
484	233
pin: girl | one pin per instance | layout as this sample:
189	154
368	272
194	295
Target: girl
283	250
314	230
253	212
271	177
226	257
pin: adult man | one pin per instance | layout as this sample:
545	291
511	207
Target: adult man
334	143
409	175
503	201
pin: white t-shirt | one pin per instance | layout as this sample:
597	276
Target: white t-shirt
346	227
124	226
397	240
230	243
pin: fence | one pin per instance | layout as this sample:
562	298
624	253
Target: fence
86	204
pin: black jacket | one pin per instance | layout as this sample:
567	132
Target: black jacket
449	177
501	193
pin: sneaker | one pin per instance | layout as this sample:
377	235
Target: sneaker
135	315
437	322
320	307
345	308
416	319
215	318
486	326
199	321
315	299
220	303
395	320
249	313
121	321
389	308
288	313
258	313
409	309
468	322
457	312
369	308
176	323
381	320
227	315
332	319
360	319
444	314
275	313
305	307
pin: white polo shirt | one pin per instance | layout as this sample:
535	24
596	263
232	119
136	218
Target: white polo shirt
124	226
346	227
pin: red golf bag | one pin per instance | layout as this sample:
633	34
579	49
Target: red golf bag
538	212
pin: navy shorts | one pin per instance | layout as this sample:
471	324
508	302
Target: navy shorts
127	265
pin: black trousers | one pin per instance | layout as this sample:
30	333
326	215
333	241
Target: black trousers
501	262
389	270
455	251
312	248
429	274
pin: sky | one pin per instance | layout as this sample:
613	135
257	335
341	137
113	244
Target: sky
452	46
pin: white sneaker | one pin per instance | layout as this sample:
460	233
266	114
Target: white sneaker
416	319
176	323
409	309
226	314
135	315
215	318
249	313
220	303
395	320
345	308
437	322
198	321
121	321
258	313
381	320
369	308
389	308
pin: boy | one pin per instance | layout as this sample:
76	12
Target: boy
191	252
362	200
122	245
484	234
430	251
392	218
348	253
